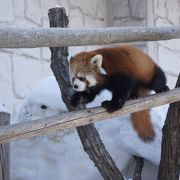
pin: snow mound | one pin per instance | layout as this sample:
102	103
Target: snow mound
3	108
60	155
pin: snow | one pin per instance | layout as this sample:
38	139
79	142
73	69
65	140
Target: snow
57	6
45	93
60	155
3	108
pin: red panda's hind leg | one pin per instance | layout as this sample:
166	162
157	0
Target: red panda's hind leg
158	83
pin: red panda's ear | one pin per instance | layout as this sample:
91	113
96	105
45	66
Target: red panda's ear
71	58
97	60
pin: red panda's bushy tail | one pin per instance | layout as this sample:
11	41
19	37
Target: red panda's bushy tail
141	121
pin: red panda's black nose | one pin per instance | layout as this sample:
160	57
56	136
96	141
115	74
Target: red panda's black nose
75	86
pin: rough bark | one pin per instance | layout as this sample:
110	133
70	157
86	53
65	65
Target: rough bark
59	37
169	168
82	117
88	134
138	168
4	150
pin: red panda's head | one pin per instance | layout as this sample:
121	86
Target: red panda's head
86	70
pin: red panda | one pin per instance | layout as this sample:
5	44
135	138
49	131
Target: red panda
126	71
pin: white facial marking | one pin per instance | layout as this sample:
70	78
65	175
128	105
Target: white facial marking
80	86
92	81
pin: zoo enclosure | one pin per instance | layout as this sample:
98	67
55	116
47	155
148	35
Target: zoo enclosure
58	37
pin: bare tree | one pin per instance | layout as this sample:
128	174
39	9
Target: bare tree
169	168
88	134
138	168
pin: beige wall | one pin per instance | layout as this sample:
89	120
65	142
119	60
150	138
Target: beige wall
125	13
151	13
21	69
166	53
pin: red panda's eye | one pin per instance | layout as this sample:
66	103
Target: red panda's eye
81	78
73	79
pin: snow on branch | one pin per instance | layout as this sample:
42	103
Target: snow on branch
82	117
59	37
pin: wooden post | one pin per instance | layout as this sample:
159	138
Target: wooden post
88	134
4	150
59	37
138	168
169	168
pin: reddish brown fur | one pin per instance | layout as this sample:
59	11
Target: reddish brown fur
128	60
81	63
124	59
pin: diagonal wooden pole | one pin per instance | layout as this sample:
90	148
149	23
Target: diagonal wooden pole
88	134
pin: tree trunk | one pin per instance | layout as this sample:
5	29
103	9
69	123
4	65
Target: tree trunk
169	167
138	167
88	134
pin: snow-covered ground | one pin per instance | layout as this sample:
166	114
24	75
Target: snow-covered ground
60	156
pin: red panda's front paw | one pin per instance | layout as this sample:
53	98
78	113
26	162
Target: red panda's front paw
110	106
105	104
75	100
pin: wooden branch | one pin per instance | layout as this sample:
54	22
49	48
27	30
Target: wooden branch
58	37
138	168
82	117
88	134
4	150
169	168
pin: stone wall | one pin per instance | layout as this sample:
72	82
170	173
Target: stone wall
126	13
129	12
150	13
166	53
21	69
